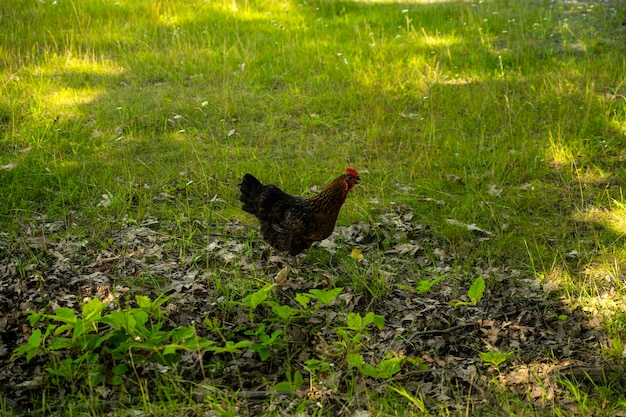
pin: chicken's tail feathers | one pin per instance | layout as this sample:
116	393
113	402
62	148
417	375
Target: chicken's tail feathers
250	189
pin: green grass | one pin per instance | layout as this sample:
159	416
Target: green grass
163	105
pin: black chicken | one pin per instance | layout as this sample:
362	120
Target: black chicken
292	223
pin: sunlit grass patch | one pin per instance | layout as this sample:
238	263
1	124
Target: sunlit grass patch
613	217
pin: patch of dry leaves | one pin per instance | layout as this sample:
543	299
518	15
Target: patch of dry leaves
48	269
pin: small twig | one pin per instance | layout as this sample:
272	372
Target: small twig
263	395
458	326
595	374
441	331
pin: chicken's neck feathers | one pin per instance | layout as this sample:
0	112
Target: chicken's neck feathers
329	200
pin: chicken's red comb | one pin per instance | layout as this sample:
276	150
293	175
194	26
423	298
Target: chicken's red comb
352	172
